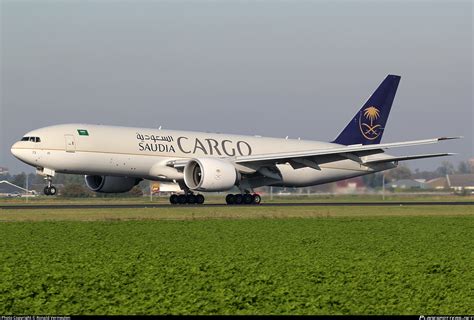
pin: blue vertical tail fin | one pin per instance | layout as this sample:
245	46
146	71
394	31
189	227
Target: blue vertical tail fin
368	124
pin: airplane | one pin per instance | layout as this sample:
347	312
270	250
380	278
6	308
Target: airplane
114	159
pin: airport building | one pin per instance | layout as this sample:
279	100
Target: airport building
8	189
406	184
456	182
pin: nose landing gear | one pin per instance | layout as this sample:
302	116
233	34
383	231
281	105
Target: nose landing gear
50	190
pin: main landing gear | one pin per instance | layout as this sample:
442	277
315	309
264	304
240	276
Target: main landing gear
189	198
50	190
237	199
246	198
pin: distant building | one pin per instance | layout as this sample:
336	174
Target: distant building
457	182
8	188
437	183
354	185
460	182
166	187
406	184
3	171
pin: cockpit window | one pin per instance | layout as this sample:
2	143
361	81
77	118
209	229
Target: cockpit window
31	139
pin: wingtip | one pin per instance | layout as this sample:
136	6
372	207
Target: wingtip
450	138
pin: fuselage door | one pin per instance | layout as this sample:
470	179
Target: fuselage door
70	143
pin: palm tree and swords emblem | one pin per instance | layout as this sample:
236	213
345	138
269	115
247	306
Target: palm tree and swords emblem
370	131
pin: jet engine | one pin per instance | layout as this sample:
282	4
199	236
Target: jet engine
210	174
109	184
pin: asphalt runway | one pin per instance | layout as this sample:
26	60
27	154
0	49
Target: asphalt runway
295	204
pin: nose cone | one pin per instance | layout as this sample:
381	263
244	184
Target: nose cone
20	153
15	151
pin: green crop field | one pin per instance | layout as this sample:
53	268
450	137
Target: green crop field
278	260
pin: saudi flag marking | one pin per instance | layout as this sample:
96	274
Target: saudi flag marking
82	132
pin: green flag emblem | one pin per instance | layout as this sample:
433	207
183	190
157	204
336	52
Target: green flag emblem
82	132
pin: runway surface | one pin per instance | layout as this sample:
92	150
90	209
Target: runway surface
295	204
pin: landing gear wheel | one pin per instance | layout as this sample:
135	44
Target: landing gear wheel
182	199
238	199
174	199
247	198
52	190
230	199
200	199
191	199
256	198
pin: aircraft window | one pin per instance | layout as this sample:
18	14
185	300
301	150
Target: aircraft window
32	139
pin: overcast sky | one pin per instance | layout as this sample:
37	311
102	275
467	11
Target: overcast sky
271	68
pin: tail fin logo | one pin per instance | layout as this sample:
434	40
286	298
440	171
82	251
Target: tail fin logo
369	127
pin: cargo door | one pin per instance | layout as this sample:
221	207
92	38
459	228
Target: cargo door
70	143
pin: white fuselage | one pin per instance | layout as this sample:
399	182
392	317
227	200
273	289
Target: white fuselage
145	153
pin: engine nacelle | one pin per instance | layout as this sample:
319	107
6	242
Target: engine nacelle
210	174
109	184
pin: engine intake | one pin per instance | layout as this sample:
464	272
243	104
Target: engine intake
210	174
110	184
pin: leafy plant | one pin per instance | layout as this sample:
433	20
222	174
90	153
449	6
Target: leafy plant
386	265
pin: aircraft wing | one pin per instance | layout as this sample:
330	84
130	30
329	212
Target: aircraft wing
312	158
352	152
404	158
